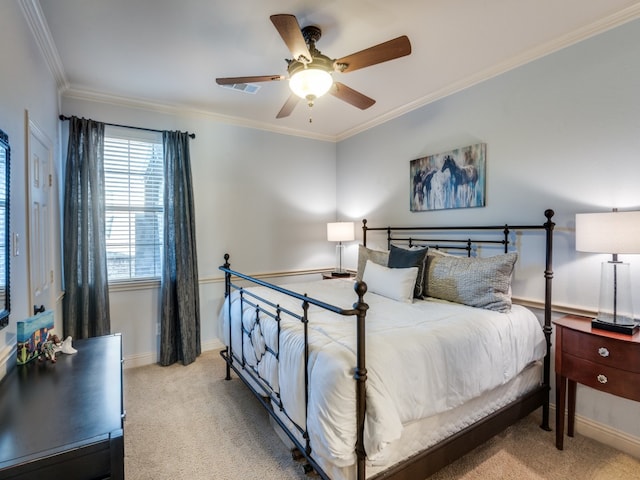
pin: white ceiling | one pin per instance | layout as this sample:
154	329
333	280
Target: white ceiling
169	52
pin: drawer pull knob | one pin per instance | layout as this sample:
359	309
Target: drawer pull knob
603	352
602	378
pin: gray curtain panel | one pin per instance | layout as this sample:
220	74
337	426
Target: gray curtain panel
86	299
180	316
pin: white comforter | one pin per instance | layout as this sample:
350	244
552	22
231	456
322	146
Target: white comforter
422	359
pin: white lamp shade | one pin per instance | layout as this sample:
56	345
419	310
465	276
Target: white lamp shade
310	82
340	232
609	232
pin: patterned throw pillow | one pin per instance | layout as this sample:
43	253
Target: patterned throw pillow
478	282
376	256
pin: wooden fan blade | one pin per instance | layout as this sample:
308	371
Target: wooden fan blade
261	78
398	47
289	30
288	106
349	95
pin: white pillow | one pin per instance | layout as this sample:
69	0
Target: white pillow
394	283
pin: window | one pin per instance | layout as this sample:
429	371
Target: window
134	183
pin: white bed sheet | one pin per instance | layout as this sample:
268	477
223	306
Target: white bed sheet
423	359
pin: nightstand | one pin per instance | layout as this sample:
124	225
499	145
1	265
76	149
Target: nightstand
606	361
329	276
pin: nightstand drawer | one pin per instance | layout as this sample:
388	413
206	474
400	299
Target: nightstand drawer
602	350
601	377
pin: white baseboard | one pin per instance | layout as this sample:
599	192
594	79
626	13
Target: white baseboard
605	434
140	360
7	356
149	358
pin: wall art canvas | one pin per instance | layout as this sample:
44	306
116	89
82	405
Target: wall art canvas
454	179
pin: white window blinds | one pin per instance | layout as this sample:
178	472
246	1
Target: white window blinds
134	183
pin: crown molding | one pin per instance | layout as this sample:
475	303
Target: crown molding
172	109
42	35
38	25
600	26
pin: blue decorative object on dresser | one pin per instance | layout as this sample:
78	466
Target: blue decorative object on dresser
32	333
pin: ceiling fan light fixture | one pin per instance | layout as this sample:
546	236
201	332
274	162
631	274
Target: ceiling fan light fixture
310	71
310	83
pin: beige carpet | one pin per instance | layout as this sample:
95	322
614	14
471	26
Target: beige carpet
189	423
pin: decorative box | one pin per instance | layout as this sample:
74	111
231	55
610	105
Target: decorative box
32	333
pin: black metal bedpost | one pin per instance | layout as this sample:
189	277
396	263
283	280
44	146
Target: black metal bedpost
364	232
548	275
305	322
227	292
360	376
506	238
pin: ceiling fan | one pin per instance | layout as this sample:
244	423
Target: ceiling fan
310	71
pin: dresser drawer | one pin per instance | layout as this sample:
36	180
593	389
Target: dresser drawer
602	350
601	377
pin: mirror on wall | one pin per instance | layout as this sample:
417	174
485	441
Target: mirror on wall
4	229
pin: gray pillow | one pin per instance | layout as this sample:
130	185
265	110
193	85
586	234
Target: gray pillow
478	282
376	256
407	258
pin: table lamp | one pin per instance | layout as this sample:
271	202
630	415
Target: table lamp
340	232
615	233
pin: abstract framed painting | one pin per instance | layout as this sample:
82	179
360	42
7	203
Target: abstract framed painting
453	179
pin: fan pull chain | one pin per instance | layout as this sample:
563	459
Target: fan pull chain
310	103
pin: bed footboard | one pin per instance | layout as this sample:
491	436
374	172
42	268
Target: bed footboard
268	394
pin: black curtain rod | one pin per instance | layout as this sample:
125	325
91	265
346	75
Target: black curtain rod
192	135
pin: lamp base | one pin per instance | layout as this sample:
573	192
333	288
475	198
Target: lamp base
340	274
615	327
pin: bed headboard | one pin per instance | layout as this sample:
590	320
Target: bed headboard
467	238
470	239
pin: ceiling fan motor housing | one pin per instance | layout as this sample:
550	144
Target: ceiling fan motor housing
311	34
320	62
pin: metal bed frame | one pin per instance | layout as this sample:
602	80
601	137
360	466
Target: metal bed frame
427	462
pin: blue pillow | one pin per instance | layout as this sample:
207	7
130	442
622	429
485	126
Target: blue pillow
406	258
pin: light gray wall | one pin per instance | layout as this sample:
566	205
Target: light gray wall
562	132
27	91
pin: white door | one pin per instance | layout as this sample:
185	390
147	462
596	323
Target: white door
40	180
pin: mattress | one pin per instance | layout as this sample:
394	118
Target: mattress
424	359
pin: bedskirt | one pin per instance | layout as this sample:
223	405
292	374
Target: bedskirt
420	435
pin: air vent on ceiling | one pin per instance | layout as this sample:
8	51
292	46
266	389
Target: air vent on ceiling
243	87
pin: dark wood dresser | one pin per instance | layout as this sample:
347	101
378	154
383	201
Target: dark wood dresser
606	361
65	419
